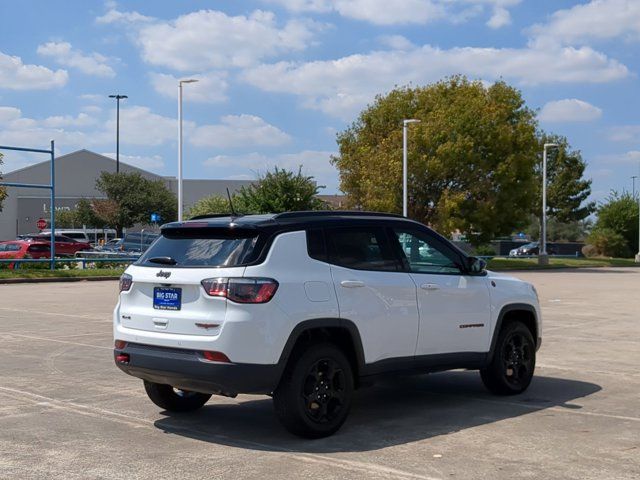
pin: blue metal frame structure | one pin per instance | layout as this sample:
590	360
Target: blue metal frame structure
51	187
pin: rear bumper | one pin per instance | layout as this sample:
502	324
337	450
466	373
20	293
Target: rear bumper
187	370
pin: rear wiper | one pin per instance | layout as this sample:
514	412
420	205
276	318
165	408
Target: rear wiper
163	260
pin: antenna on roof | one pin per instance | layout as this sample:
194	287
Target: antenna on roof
233	212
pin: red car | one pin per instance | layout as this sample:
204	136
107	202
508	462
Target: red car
65	246
23	249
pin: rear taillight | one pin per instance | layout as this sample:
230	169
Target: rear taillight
241	290
119	344
125	282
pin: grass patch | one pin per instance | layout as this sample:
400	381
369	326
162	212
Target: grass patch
498	264
38	273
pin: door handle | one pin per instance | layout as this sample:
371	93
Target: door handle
430	286
352	283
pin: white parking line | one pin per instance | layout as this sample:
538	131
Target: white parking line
38	312
44	339
349	465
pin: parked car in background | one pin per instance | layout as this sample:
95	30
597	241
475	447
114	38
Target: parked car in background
137	241
532	248
111	246
94	236
20	249
65	246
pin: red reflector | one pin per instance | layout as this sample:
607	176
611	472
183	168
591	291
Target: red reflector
119	344
122	358
216	357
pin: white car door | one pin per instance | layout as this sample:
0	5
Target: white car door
373	291
454	308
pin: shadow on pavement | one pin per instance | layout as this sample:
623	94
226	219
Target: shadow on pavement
391	413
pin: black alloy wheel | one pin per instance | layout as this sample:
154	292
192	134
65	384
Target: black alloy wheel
514	360
314	395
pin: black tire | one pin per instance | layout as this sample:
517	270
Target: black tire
514	361
306	403
175	400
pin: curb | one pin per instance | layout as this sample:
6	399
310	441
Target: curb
55	279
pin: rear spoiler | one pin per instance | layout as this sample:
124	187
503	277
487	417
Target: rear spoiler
208	230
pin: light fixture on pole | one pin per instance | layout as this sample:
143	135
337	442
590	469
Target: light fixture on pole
543	258
405	124
180	83
118	98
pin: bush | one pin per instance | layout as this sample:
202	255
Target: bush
608	243
589	251
485	250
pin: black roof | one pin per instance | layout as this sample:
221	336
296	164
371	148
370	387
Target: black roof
288	219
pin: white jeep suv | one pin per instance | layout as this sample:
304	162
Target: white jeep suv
308	306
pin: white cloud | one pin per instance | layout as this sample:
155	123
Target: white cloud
596	20
15	75
625	133
140	126
313	162
210	88
152	163
239	131
81	120
116	16
569	110
65	54
93	97
396	42
395	12
632	156
500	18
210	39
8	114
342	87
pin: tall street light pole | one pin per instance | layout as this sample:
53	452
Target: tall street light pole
118	98
638	254
543	258
405	202
180	203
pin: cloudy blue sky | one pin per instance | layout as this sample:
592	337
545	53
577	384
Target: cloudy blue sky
279	78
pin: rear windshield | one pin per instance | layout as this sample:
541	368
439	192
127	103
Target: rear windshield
9	247
203	249
39	248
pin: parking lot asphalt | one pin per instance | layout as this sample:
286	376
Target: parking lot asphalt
67	412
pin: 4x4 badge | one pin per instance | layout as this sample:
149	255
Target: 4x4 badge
163	274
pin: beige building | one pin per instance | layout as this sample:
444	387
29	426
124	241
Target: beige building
76	175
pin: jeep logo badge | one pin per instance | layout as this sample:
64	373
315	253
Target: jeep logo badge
163	274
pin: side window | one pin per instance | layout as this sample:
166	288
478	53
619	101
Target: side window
424	255
316	246
364	248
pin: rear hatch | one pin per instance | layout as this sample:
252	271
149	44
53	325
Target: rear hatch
166	292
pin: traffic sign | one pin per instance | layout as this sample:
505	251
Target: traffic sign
155	218
41	224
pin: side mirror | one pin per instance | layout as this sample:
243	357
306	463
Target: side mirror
476	266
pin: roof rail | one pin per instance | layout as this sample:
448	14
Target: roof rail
212	215
335	213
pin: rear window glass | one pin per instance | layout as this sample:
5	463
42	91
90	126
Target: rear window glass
9	247
208	250
39	248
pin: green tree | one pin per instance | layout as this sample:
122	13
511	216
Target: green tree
131	199
278	191
208	205
567	189
471	159
557	231
85	214
3	190
619	214
66	219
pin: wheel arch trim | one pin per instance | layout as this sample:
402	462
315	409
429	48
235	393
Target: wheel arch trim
512	307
